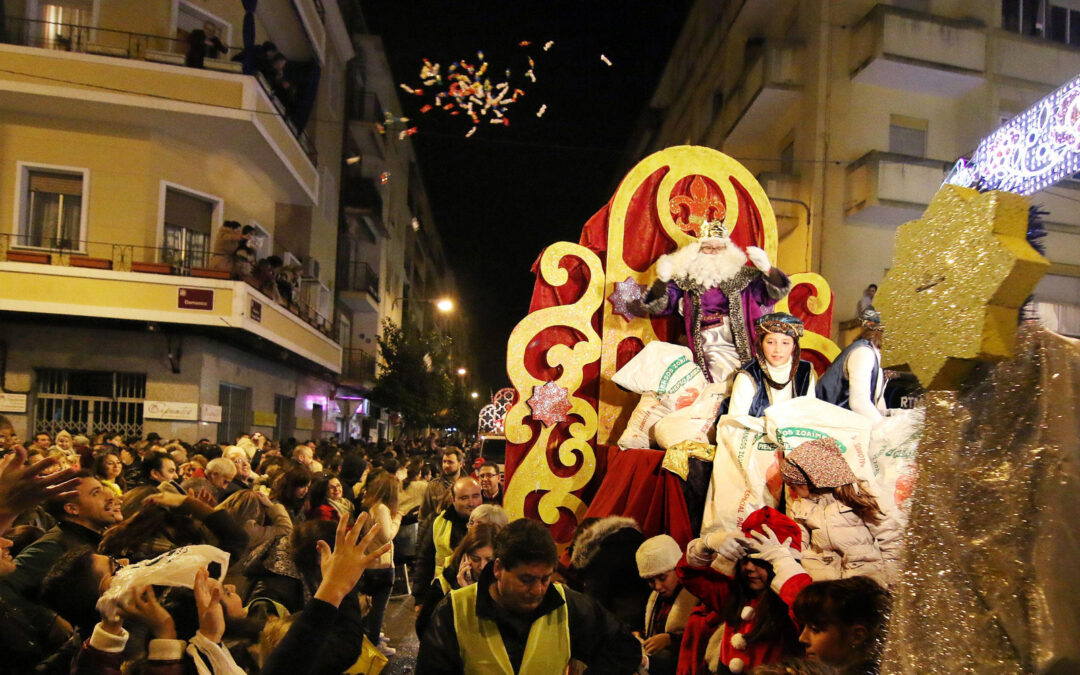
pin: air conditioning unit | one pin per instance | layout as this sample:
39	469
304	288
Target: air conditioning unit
311	268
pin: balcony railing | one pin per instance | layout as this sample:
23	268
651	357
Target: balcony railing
359	365
135	46
151	260
360	277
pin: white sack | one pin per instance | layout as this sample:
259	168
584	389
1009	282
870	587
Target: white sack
692	422
792	423
665	369
639	428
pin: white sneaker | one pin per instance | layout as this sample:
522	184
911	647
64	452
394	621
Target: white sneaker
386	650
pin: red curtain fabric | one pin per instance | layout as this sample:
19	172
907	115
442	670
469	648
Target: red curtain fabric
635	486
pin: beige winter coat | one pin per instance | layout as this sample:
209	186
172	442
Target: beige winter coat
837	543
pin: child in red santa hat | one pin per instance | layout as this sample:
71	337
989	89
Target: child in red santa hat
754	599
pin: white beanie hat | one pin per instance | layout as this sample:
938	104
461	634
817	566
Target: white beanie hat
658	555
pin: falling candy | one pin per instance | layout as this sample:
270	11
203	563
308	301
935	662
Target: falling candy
605	59
384	177
548	44
542	110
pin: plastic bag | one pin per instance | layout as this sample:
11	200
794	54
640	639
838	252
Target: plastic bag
174	568
692	422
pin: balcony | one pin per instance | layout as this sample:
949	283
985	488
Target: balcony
358	368
365	113
1034	59
358	287
122	80
891	189
903	49
299	39
770	83
135	283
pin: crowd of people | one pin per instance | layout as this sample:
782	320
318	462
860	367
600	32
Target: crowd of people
105	564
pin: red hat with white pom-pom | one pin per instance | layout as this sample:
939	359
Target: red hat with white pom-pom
780	524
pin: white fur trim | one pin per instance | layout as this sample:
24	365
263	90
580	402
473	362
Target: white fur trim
747	613
679	614
738	641
165	649
587	543
104	641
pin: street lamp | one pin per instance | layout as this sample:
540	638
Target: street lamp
444	305
461	371
474	395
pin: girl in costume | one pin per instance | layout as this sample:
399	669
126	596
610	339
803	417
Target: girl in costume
776	374
844	623
754	598
846	531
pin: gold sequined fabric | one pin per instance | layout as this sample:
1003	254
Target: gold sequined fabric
990	583
677	457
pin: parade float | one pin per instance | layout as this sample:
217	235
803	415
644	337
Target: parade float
562	460
985	585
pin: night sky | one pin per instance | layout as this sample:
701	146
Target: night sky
504	194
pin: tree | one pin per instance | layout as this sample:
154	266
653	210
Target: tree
414	379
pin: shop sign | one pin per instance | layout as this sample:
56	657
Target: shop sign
170	410
195	298
210	413
15	403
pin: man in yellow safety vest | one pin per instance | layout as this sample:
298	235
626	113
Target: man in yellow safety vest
515	621
440	535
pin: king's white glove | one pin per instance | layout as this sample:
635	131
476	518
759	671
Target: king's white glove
728	545
759	258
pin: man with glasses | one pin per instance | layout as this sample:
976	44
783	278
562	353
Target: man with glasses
490	485
515	620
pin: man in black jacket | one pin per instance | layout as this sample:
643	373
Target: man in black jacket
540	624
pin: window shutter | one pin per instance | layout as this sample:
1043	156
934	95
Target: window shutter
56	183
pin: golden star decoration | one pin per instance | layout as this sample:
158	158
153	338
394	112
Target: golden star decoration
959	276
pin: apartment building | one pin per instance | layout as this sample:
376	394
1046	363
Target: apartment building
850	113
391	264
127	140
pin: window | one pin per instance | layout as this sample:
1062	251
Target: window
907	135
285	409
235	405
51	207
1042	18
89	402
186	236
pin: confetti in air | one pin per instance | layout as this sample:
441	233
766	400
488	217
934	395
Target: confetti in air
466	89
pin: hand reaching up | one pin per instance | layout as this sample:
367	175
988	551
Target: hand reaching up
24	487
342	567
208	602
